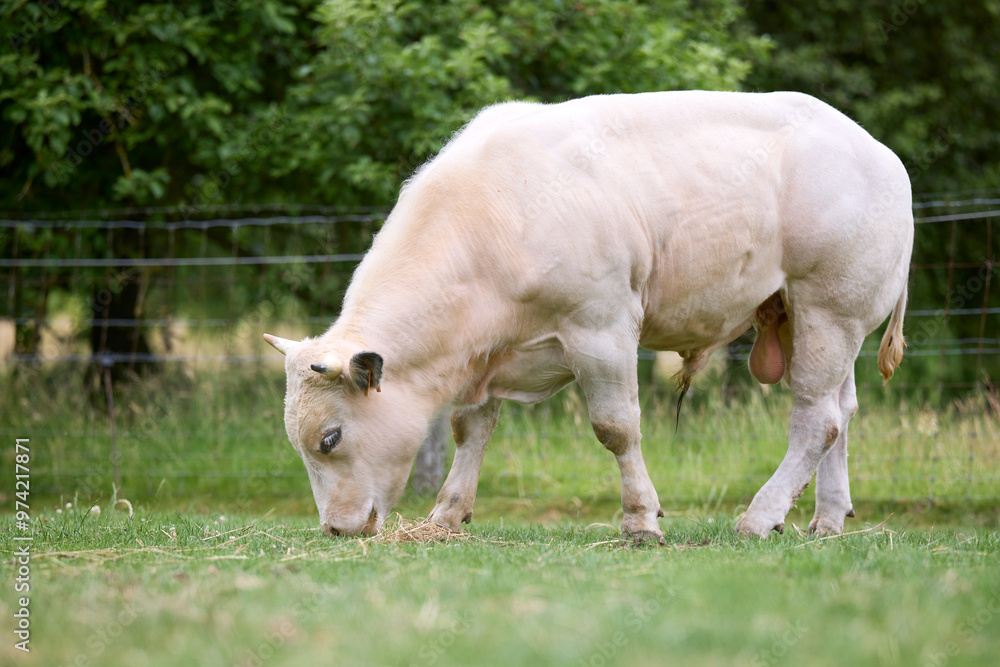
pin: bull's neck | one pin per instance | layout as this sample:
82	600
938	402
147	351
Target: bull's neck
421	297
429	329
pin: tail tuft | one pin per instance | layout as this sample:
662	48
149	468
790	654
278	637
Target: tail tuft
890	352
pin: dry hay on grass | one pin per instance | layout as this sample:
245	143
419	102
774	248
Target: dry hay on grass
397	530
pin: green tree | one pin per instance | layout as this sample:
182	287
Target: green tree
112	103
219	102
922	77
124	104
394	80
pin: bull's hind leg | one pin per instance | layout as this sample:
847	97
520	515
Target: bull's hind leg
472	429
833	490
826	346
606	369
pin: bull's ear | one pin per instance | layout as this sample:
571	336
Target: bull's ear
366	371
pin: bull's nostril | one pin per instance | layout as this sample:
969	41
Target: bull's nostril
334	532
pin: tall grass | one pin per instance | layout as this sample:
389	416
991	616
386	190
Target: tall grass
213	437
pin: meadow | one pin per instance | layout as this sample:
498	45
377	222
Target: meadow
216	558
175	588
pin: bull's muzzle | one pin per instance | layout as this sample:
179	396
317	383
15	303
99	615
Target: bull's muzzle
369	528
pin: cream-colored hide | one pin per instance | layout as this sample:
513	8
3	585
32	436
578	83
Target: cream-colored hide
546	242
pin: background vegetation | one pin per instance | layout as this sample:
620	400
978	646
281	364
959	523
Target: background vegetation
354	94
166	111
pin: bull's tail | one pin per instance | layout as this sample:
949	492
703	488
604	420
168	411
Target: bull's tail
890	352
693	362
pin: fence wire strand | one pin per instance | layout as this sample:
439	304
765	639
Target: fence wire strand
116	289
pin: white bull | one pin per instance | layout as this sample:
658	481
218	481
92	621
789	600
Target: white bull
546	242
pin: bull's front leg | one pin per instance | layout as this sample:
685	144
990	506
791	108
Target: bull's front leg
472	429
607	372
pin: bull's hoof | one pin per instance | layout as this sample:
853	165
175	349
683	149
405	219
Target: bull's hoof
452	510
827	524
756	526
823	526
644	537
451	520
642	527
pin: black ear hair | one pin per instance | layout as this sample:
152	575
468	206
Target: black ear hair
366	371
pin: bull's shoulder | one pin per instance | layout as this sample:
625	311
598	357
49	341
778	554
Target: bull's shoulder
498	115
492	131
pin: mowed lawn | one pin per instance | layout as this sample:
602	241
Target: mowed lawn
223	562
162	588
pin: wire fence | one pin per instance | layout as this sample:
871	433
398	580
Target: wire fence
119	295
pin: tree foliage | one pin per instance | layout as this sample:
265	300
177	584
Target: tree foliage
107	103
333	102
922	77
175	108
336	101
394	80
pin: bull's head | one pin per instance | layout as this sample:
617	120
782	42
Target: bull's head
357	441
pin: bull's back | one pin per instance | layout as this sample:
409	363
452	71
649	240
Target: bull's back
702	203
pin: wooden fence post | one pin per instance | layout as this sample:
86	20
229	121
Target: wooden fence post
428	472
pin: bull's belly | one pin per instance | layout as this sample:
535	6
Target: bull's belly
703	321
531	372
695	320
696	333
693	305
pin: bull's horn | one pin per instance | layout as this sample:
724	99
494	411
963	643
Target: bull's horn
330	368
282	345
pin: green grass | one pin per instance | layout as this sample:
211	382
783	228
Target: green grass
164	588
223	562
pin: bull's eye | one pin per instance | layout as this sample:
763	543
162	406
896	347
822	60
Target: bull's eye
329	441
